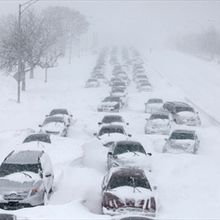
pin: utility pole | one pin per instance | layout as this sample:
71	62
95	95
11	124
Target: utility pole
19	55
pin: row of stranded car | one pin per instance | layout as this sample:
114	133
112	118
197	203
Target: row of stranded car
127	186
26	174
164	116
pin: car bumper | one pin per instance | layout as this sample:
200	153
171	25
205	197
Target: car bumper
128	210
25	203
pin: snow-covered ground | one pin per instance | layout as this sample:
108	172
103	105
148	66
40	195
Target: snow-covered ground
188	185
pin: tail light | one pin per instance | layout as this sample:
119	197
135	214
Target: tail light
111	201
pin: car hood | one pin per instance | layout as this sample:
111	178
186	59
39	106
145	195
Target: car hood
186	114
53	126
184	143
108	104
18	182
159	122
131	158
130	193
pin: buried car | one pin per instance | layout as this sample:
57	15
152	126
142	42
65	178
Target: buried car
26	179
182	141
110	104
55	125
113	119
183	113
38	137
63	113
127	190
127	153
92	83
158	123
153	105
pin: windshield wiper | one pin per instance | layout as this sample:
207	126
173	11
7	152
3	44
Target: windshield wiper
26	174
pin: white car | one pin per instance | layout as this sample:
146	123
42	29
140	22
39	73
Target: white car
127	190
153	105
158	123
182	141
55	125
110	104
108	134
128	153
26	179
63	113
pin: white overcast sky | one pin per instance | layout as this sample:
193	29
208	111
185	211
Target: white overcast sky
137	21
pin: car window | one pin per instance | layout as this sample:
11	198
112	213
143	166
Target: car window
182	136
37	137
108	130
129	147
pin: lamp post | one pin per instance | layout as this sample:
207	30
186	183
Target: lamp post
21	9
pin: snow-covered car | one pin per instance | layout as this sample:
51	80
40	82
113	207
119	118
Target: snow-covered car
182	141
183	113
119	92
128	153
4	216
108	134
55	125
111	129
38	137
144	86
113	119
186	115
92	83
153	105
26	179
110	104
63	113
158	123
127	190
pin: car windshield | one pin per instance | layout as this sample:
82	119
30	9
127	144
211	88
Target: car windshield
112	99
128	147
38	137
92	80
53	119
110	119
108	130
128	179
58	111
117	90
151	101
183	109
182	136
158	116
7	217
7	168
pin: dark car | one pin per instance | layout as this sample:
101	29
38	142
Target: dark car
40	137
8	217
133	181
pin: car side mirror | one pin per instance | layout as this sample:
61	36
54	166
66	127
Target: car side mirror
154	187
149	154
48	175
166	139
110	153
127	123
40	126
99	123
129	135
95	134
46	115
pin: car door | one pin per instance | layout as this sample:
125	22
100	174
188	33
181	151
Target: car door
48	174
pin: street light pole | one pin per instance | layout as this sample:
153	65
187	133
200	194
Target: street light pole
21	9
19	55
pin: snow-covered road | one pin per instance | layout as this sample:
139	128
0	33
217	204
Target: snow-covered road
188	185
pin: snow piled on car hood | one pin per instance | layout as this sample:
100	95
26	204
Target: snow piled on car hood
22	177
